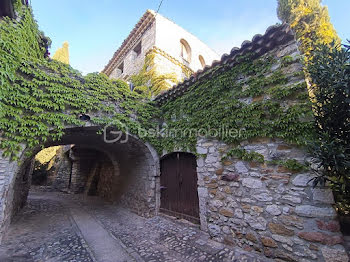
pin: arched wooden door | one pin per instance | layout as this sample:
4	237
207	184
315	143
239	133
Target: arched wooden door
179	196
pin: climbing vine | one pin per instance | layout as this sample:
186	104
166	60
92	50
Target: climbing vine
40	96
244	155
248	101
149	82
240	153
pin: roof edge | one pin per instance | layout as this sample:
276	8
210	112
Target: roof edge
259	45
147	18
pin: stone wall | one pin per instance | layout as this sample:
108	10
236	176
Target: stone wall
266	208
87	171
108	180
8	171
132	62
83	162
140	181
61	179
165	35
22	186
166	66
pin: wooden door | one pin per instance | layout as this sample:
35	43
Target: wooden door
179	196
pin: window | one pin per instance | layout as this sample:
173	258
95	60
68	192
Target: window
121	67
137	49
201	59
185	50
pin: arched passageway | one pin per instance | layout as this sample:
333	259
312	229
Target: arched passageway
125	171
76	169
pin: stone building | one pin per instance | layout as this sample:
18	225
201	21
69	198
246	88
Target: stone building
265	207
176	50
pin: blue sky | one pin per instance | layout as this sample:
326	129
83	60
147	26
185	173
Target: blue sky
95	29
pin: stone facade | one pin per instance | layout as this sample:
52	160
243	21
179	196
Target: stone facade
8	170
252	205
22	186
168	37
157	33
133	62
266	208
126	172
260	206
61	178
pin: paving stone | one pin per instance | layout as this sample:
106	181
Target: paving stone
44	231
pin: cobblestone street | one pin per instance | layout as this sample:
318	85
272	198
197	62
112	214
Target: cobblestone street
48	230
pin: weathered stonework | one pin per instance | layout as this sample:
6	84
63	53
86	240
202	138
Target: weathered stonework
62	176
264	207
129	174
8	170
257	206
153	32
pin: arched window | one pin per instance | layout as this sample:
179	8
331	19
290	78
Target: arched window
201	59
185	50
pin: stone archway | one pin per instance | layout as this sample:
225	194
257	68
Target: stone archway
135	162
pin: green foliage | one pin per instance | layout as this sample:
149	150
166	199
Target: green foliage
330	82
280	92
149	82
244	155
240	153
44	96
310	21
222	106
286	60
39	97
291	164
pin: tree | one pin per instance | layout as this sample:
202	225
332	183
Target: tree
311	23
329	71
62	54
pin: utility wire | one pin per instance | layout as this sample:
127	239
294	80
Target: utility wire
160	4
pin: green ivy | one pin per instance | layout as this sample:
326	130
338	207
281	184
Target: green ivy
291	164
252	99
39	97
240	153
244	155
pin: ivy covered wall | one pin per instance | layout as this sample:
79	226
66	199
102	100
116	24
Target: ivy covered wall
40	96
253	170
252	98
256	95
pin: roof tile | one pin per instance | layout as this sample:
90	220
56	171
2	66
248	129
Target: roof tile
260	44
